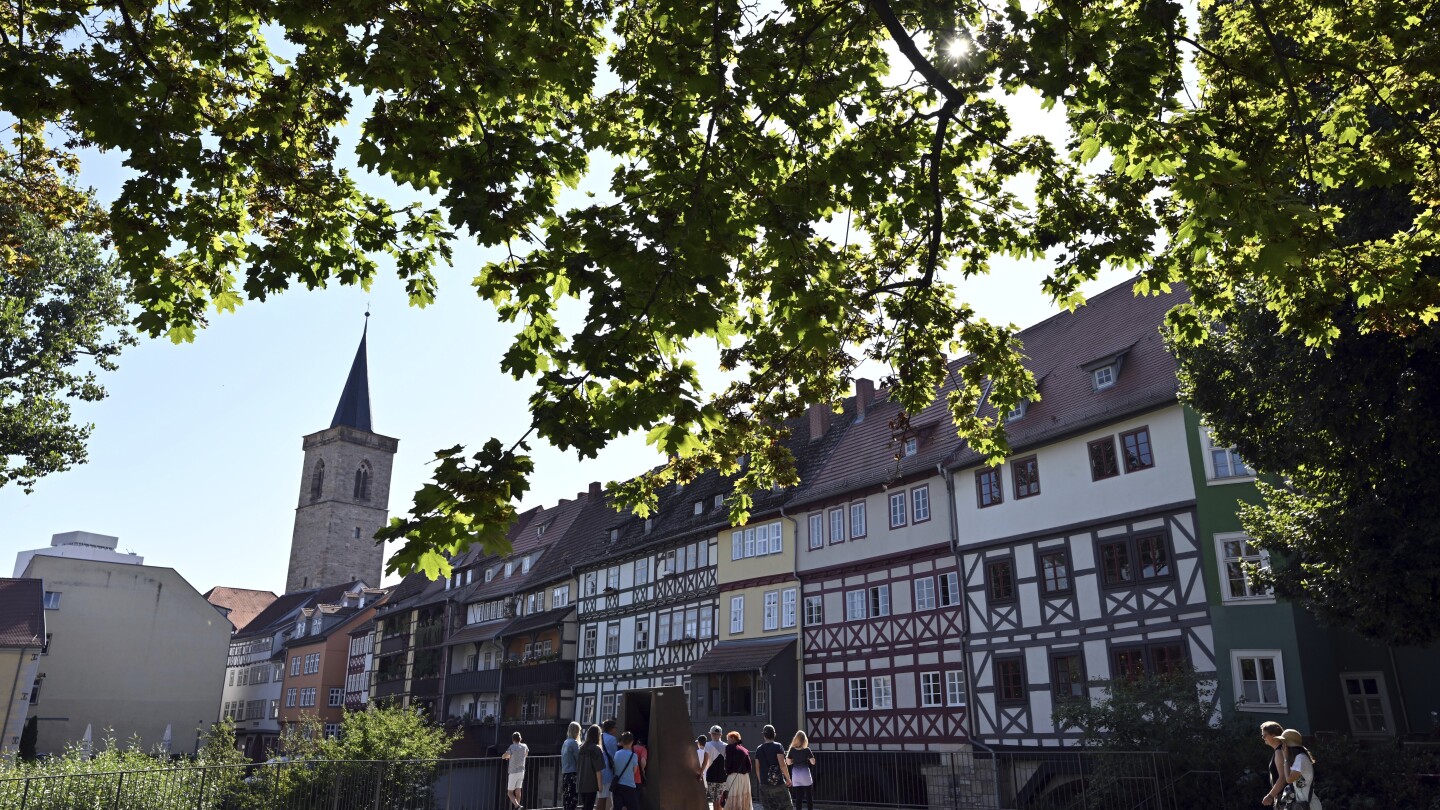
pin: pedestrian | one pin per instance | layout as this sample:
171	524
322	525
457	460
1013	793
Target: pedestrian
774	773
644	754
515	755
700	751
1270	732
569	765
1299	791
590	765
627	766
802	771
737	774
713	767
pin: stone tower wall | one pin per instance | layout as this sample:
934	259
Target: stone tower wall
324	549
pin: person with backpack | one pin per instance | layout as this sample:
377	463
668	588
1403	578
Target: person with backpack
1299	791
774	773
611	746
738	766
802	771
627	765
713	768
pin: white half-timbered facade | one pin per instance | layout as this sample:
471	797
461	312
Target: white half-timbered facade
1080	559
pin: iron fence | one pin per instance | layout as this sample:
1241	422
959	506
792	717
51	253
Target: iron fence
902	780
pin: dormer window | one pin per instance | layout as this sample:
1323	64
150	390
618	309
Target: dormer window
614	535
315	626
1105	371
525	564
300	628
649	524
540	530
509	569
911	447
489	574
719	501
1018	412
1104	377
699	507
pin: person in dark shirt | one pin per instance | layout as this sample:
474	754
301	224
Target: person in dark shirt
774	773
590	776
737	774
802	771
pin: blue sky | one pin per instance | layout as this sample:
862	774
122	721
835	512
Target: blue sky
195	461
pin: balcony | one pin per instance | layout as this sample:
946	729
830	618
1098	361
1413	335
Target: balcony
425	686
394	644
549	675
429	635
386	689
484	680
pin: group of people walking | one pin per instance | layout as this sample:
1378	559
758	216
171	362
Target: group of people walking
1292	769
786	775
604	771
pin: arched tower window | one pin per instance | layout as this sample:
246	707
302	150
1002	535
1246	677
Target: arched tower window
317	480
362	482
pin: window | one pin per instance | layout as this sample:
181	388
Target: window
612	578
337	696
489	574
837	526
1259	679
925	593
699	508
52	600
1068	676
787	607
857	520
1054	572
1104	377
525	564
1366	703
317	480
736	694
642	571
509	569
663	629
987	488
642	634
560	597
295	661
879	600
35	692
772	610
592	583
588	648
587	709
332	729
719	501
854	605
707	621
1009	680
312	663
1133	663
920	504
930	694
955	688
1154	556
1137	450
1120	559
1018	412
755	541
1027	477
290	697
881	695
362	482
1236	554
1102	459
814	696
307	696
1224	462
1115	562
949	589
612	638
315	626
1167	659
737	614
897	510
1000	581
814	611
859	694
817	531
910	447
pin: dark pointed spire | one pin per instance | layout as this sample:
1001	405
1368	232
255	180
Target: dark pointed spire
354	408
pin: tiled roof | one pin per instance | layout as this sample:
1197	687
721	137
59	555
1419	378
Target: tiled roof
479	632
742	655
1058	350
22	612
242	604
284	607
536	621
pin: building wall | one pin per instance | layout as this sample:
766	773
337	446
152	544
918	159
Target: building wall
879	538
252	733
754	609
133	648
18	667
333	541
334	652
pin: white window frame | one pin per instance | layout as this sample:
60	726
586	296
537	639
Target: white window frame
814	696
1103	377
947	589
787	607
858	692
837	525
590	641
925	597
879	600
737	614
1382	694
772	610
910	447
932	690
814	611
560	597
898	510
858	528
1237	658
882	692
915	501
52	600
1222	569
612	638
1209	448
857	605
817	530
955	687
336	697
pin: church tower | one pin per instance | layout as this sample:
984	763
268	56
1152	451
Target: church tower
344	493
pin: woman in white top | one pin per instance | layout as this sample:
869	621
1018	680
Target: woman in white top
1300	768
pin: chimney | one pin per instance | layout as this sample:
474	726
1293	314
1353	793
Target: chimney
594	489
579	495
864	395
819	420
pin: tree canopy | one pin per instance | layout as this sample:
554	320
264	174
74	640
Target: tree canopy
803	183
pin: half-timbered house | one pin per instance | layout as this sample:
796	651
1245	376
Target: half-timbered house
1080	559
882	666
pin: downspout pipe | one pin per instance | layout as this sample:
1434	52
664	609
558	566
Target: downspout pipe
949	476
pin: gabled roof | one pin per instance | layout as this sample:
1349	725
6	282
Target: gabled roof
538	621
354	408
22	612
281	612
742	655
241	604
546	550
1116	328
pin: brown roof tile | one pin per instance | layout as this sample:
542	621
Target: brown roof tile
741	656
241	604
22	612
